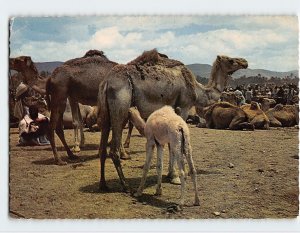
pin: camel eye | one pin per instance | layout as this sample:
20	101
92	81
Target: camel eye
231	61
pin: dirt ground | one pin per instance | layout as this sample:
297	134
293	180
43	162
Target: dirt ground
241	174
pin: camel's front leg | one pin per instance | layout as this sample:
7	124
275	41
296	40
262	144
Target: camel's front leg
77	124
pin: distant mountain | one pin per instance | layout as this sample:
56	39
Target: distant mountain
47	66
203	70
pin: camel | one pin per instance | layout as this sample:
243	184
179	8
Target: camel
149	82
223	115
283	115
256	115
30	76
266	103
164	126
78	80
229	97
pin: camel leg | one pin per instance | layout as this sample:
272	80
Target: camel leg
180	163
77	124
103	155
61	135
149	154
127	141
115	151
239	124
123	154
193	174
172	174
159	167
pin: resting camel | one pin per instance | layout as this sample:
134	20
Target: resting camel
229	97
256	115
30	76
223	115
283	115
149	82
267	103
164	126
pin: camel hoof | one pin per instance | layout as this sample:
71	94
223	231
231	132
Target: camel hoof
158	192
125	156
76	149
197	203
175	180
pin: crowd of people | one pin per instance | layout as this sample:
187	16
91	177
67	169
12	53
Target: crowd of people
284	94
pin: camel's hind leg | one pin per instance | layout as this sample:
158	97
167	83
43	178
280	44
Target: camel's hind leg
193	173
149	154
56	124
172	174
61	135
103	155
159	168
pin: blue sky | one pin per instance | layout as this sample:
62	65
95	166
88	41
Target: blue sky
267	42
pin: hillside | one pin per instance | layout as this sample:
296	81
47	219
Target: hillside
203	70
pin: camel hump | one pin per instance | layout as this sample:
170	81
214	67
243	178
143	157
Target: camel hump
94	52
152	57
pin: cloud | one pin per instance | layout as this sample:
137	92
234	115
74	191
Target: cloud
266	42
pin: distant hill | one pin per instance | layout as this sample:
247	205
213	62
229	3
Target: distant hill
203	70
47	66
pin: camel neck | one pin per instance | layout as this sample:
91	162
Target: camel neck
217	79
206	95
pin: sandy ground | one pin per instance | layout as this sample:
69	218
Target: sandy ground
241	174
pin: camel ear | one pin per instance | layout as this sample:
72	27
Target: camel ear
218	57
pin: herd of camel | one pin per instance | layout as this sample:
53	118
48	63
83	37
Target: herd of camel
149	82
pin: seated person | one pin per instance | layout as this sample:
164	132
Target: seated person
33	128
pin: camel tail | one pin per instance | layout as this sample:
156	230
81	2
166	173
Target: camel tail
184	142
48	89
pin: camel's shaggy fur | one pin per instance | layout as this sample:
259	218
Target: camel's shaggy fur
256	115
164	126
150	82
152	57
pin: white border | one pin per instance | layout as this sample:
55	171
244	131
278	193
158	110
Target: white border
125	7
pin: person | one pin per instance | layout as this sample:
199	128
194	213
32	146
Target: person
20	109
248	95
240	98
33	128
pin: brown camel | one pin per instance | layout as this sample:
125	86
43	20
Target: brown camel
283	115
78	80
229	97
267	103
30	76
256	115
223	115
149	82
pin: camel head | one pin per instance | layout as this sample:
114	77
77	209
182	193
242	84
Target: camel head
21	63
221	70
254	105
230	65
229	97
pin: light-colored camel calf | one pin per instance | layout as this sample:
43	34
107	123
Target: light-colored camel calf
164	126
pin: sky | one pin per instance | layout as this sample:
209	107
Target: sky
267	42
